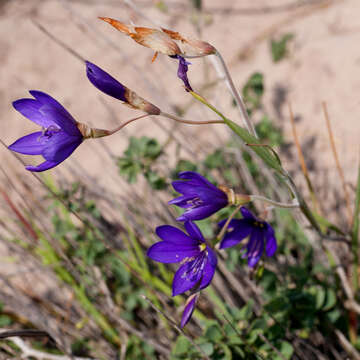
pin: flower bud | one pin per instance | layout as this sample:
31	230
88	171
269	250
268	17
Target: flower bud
110	86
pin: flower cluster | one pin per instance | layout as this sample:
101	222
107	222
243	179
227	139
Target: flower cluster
200	199
61	134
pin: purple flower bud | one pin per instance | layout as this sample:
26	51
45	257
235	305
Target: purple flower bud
189	309
110	86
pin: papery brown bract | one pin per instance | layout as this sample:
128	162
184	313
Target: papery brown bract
154	39
163	40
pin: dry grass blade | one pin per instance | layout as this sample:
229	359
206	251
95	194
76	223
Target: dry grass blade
337	161
304	168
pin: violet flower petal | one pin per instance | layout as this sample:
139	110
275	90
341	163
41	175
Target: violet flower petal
46	165
61	121
182	71
271	244
198	213
255	247
257	231
237	231
167	252
105	82
46	99
199	197
189	309
60	146
30	108
209	269
182	201
174	235
246	213
193	230
185	278
28	144
192	175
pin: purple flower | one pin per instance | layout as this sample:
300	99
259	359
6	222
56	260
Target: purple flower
105	82
182	71
198	260
59	137
258	231
199	197
189	309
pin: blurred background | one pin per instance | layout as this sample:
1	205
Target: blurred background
279	52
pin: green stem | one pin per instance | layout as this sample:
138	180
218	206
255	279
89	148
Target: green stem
238	99
293	205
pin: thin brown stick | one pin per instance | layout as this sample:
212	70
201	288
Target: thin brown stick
337	161
302	161
24	333
17	212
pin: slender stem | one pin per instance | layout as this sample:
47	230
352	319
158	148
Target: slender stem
192	122
111	132
293	205
96	133
239	101
226	225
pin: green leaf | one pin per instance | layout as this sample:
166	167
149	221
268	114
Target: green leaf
227	354
279	47
213	333
207	348
286	350
253	91
215	160
263	152
267	131
129	169
182	346
330	300
5	321
156	181
325	224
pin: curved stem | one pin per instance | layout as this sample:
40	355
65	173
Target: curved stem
239	101
111	132
192	122
275	203
226	225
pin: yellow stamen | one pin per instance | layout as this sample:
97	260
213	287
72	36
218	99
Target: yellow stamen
202	247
